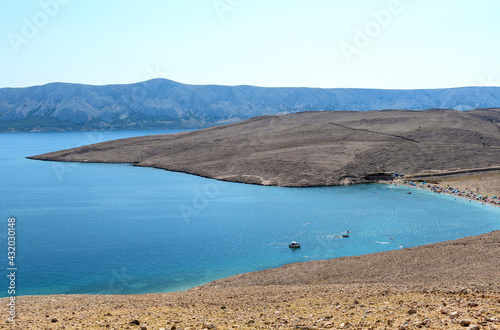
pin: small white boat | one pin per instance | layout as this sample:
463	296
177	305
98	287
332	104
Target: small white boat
294	245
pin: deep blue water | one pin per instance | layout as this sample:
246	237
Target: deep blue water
118	229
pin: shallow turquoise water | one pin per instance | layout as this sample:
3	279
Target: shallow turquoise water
118	229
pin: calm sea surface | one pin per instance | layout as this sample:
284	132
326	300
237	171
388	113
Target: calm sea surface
119	229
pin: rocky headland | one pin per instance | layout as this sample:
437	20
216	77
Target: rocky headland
315	148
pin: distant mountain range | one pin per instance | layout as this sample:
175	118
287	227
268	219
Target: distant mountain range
162	103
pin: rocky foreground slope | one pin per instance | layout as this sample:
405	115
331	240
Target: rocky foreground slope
449	285
314	148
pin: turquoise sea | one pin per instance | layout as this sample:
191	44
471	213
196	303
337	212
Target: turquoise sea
119	229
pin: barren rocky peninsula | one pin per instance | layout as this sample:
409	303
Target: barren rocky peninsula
314	148
448	285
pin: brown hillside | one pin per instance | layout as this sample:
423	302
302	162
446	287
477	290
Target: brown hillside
314	148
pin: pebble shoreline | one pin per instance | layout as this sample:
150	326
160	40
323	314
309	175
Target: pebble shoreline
436	188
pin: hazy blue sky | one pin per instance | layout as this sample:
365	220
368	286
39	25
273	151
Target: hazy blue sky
313	43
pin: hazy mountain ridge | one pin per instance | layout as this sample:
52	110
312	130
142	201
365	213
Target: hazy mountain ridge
162	103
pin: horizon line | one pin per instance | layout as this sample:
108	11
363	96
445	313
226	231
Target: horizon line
240	85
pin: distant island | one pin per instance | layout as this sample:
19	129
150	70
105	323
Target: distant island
162	103
317	148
